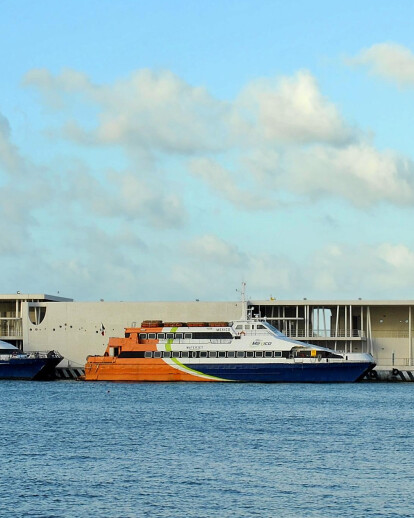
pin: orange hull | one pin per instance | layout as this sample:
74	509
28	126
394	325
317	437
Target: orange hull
109	369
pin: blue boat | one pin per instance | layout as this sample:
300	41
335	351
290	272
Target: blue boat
34	365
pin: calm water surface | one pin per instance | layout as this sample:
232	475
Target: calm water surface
191	450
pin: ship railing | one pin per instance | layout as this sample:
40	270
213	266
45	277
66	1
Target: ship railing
326	333
43	354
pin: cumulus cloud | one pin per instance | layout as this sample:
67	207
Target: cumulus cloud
359	173
277	135
225	185
11	162
155	110
292	111
390	61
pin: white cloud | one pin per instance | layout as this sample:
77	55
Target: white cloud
359	173
157	111
292	111
387	60
10	159
280	135
225	184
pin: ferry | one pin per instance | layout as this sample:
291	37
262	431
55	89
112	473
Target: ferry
246	350
34	365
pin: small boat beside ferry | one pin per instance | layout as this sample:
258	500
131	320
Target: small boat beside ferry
246	350
34	365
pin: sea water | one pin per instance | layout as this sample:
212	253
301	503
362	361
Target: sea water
76	449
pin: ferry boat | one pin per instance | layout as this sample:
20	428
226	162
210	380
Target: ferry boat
246	350
35	365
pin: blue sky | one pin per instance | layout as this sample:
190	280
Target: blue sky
168	150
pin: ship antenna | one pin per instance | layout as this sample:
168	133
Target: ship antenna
243	301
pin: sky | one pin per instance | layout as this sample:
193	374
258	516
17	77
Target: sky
171	150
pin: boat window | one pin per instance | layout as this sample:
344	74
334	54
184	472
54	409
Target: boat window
247	326
203	354
278	353
179	335
260	326
161	336
240	354
213	354
143	336
239	326
187	335
152	336
195	354
249	354
259	354
170	335
268	354
148	354
127	335
175	354
184	354
167	354
157	354
222	354
231	354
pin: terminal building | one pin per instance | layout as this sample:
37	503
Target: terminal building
40	322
